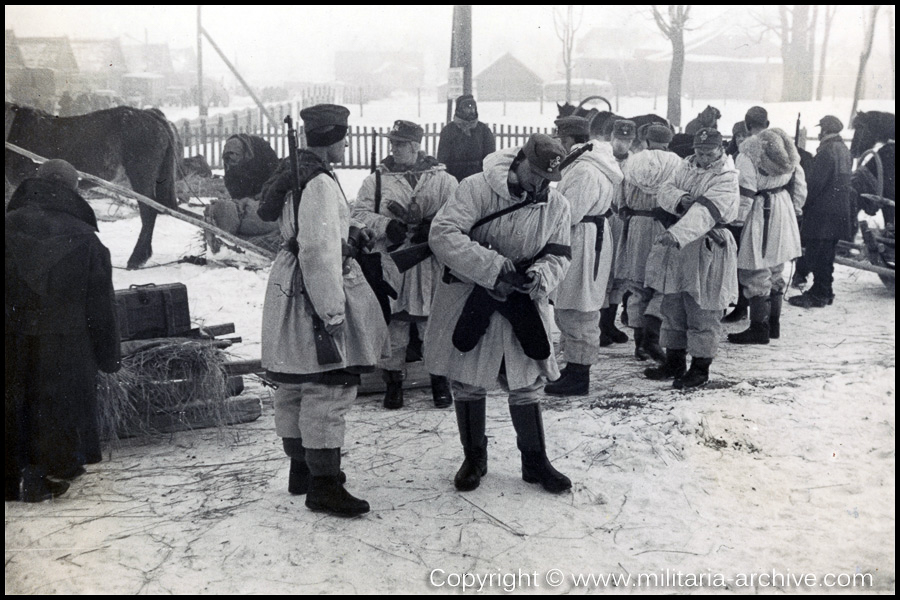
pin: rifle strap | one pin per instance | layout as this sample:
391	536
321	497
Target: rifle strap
377	191
500	213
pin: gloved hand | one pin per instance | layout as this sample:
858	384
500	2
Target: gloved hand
531	285
395	232
335	329
685	203
506	281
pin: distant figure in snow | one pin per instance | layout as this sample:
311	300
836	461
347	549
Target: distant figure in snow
465	141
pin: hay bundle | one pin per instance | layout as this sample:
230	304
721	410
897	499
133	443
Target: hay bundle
171	383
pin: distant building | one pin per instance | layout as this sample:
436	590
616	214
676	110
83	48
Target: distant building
378	74
49	63
507	79
101	65
581	88
727	65
722	64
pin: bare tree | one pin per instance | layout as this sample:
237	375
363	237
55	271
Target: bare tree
566	26
830	11
864	57
890	22
674	30
795	28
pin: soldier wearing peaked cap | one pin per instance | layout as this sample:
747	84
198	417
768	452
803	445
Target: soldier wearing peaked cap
693	262
504	238
465	141
622	137
589	185
643	221
398	202
313	292
826	214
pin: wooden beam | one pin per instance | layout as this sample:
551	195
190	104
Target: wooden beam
178	214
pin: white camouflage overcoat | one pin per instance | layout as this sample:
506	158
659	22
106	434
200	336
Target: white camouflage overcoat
477	260
783	243
287	335
590	185
644	174
699	266
435	186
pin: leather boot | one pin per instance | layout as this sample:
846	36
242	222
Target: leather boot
758	332
740	309
326	492
696	376
37	488
298	477
536	467
575	380
440	391
639	352
393	395
674	367
775	300
609	333
470	416
651	345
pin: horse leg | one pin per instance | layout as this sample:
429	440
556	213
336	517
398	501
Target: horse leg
143	249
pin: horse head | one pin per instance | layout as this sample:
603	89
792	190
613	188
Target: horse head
710	116
870	128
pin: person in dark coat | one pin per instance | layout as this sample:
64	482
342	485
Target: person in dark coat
249	162
60	329
465	141
825	214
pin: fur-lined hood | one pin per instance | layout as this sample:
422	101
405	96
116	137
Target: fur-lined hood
772	151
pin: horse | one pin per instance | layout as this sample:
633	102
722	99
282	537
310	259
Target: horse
708	117
108	143
602	121
875	176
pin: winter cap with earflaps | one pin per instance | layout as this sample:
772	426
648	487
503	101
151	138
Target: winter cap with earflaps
60	171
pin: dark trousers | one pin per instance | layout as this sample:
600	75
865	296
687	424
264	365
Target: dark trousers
819	259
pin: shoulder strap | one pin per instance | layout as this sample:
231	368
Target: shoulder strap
502	212
377	191
310	176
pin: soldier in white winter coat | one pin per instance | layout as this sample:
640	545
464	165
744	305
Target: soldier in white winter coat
314	293
590	185
693	264
773	183
398	202
494	325
644	221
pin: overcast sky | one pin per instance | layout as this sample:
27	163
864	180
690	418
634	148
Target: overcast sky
276	43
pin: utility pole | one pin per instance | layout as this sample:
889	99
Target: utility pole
202	105
461	49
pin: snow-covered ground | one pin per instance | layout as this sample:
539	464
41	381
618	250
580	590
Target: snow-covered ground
778	476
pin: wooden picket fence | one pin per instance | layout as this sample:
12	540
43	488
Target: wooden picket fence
207	136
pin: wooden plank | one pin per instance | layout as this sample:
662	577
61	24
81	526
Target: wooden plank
865	266
417	375
238	409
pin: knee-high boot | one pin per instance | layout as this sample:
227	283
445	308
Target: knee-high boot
609	333
650	344
470	416
536	467
393	395
758	332
326	492
775	300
